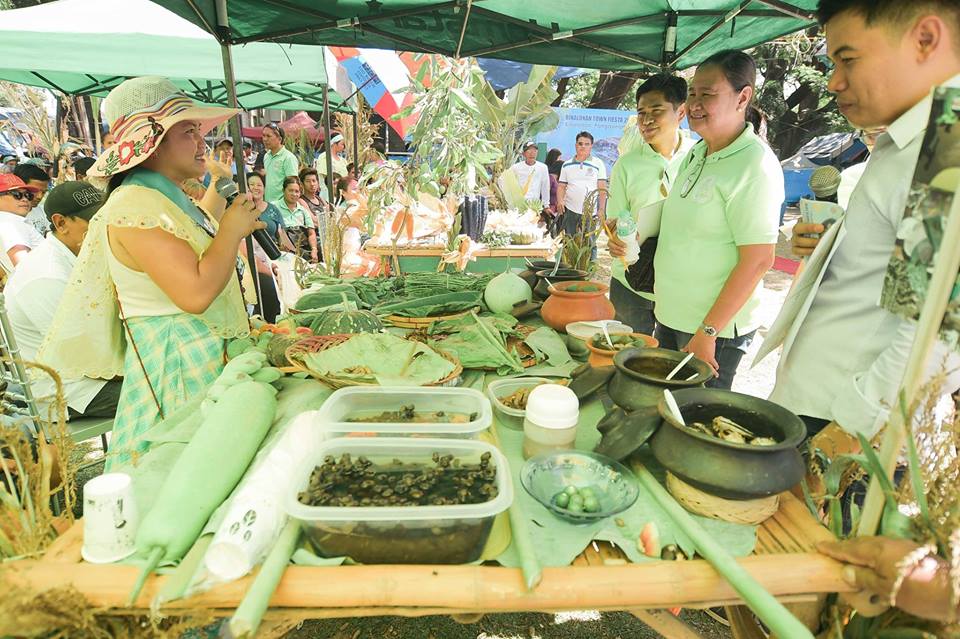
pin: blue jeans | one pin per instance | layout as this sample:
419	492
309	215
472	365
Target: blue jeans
729	352
632	309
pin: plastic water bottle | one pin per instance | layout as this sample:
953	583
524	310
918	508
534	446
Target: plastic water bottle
627	233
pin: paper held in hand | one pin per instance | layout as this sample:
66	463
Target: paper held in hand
648	221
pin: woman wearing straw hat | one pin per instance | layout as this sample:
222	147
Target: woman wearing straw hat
155	291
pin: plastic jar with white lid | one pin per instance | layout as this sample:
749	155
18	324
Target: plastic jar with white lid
550	421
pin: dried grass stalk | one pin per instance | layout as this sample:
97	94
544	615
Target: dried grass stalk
32	478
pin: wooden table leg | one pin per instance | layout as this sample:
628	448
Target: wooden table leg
743	625
666	624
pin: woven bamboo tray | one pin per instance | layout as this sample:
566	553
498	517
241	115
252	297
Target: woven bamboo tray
320	343
750	512
423	322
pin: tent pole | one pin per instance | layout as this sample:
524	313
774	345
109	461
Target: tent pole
356	142
223	35
326	143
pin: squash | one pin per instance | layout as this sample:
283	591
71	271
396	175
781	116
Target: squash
277	350
337	322
506	291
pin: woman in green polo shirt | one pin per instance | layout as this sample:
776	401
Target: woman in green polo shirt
297	220
719	225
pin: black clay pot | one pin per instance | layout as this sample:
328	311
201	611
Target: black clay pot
725	469
641	372
542	290
530	274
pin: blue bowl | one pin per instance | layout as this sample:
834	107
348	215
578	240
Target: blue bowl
613	484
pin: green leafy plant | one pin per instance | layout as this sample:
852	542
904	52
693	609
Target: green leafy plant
578	248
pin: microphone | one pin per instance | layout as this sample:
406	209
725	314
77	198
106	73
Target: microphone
824	183
229	191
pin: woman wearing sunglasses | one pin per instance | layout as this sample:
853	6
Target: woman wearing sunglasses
17	236
719	225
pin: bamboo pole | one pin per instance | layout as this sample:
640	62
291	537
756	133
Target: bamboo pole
246	620
762	602
664	584
928	329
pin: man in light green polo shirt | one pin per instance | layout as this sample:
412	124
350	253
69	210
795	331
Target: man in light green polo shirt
278	162
642	177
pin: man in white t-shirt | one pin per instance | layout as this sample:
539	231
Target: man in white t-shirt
33	175
532	176
578	178
17	236
36	287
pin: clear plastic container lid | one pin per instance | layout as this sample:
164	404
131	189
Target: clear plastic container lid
384	450
356	401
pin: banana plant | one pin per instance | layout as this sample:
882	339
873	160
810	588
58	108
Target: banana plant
523	112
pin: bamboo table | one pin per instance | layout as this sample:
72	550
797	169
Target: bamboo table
785	563
490	260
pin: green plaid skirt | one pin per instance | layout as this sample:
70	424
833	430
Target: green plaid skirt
181	356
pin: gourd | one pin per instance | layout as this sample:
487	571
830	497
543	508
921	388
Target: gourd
336	322
277	350
205	473
505	291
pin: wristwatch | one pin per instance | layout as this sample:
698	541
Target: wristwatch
708	330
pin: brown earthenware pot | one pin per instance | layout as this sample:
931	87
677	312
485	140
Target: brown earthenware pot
568	304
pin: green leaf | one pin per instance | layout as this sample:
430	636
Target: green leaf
916	477
465	100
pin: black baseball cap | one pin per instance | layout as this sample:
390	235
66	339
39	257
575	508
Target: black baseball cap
74	199
82	165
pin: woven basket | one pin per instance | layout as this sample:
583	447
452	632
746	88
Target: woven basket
320	343
749	512
422	322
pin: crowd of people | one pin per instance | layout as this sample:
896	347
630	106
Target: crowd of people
129	292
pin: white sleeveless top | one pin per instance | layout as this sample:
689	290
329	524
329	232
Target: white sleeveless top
139	295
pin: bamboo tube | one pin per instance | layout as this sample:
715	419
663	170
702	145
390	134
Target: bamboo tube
665	584
176	586
770	611
246	620
928	329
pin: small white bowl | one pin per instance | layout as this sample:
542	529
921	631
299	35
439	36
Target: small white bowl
586	330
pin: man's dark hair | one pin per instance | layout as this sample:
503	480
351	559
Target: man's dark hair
27	172
673	88
890	11
584	134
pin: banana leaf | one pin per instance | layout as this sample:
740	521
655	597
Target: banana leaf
548	346
478	343
380	358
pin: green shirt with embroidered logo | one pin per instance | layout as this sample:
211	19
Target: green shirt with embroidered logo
635	183
718	202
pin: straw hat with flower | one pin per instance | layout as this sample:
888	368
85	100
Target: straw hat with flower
140	112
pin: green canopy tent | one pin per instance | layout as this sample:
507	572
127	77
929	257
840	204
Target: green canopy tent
606	34
87	47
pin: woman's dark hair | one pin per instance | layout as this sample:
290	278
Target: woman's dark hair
255	174
342	184
555	167
552	156
273	126
350	167
291	179
673	88
740	70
